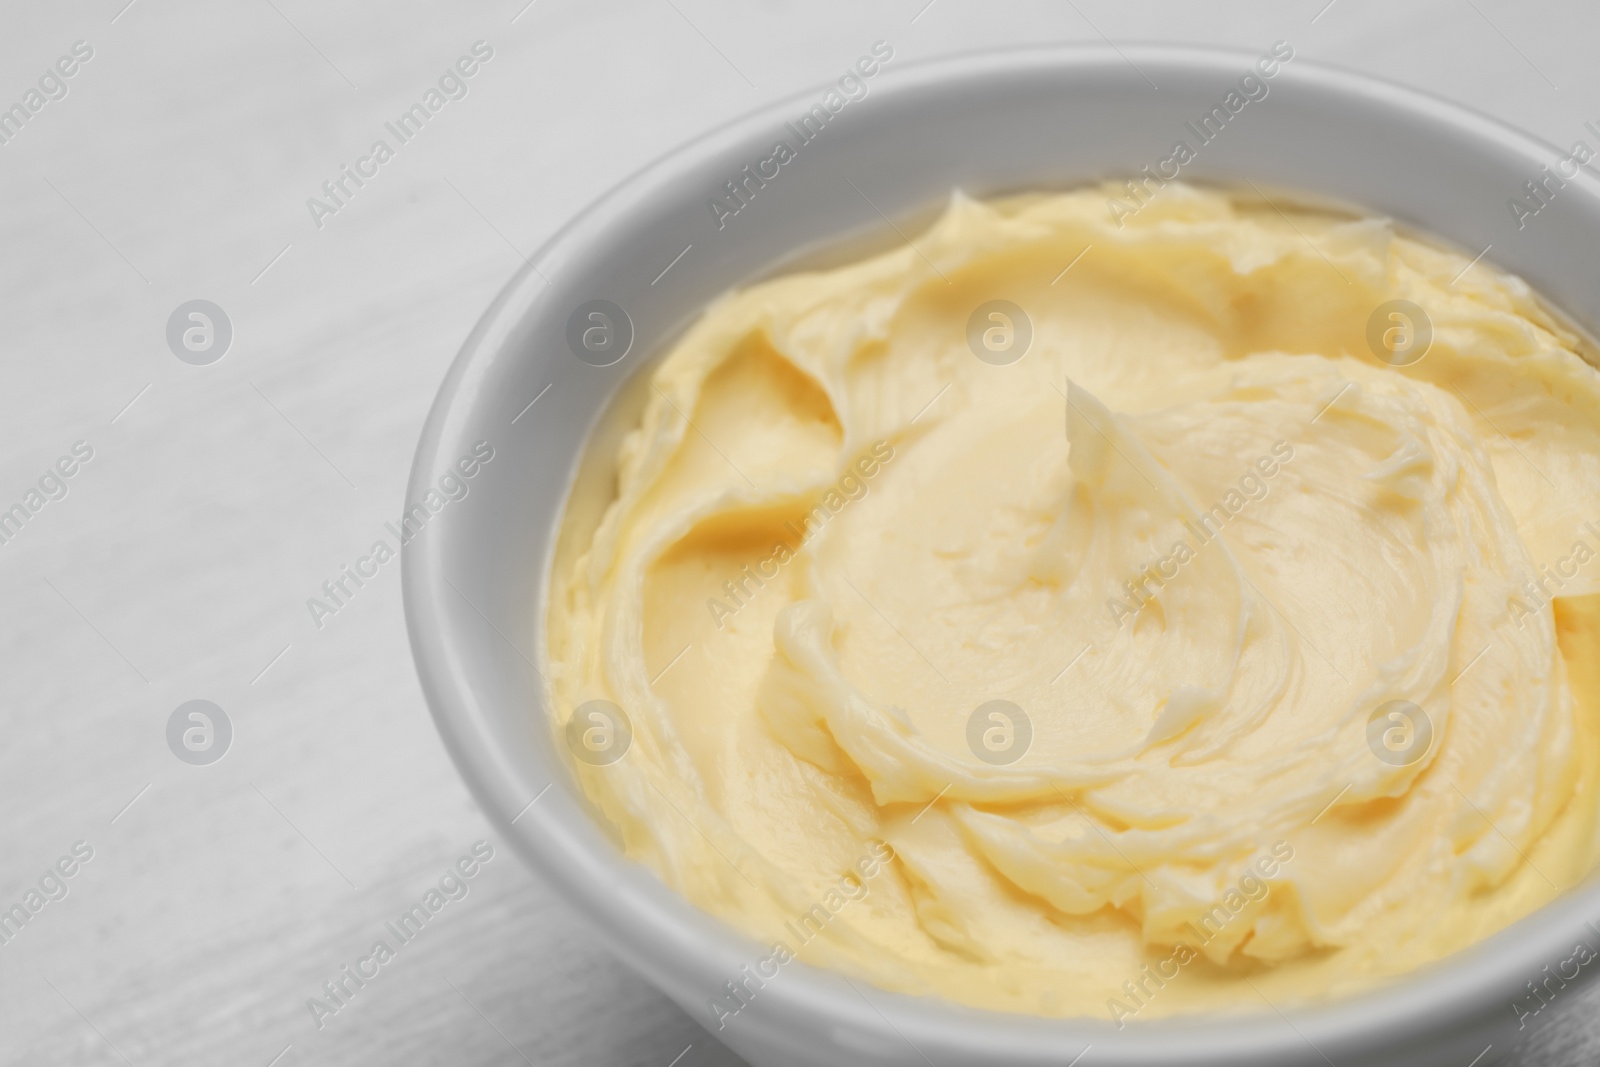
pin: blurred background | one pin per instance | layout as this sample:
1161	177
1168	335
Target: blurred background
243	451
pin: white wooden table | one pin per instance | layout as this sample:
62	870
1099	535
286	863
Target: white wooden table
219	498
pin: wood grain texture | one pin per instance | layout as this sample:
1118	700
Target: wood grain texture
219	498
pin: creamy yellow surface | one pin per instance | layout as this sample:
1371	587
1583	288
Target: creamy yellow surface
1199	809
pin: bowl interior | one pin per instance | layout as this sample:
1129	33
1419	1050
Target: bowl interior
655	247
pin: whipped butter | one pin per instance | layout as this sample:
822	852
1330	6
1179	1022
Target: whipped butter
1197	651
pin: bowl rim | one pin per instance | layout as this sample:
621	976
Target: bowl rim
650	925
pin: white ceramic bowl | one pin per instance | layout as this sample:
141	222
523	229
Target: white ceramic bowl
988	123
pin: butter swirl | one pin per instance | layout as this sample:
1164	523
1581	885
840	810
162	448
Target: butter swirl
1198	539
